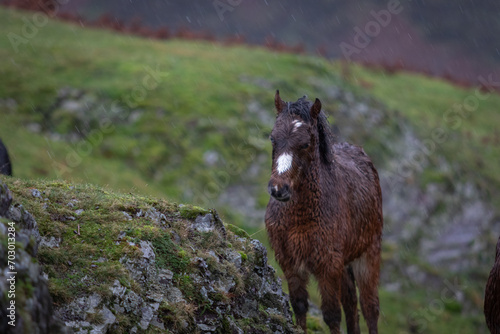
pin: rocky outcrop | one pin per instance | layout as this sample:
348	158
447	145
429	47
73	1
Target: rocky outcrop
193	274
25	304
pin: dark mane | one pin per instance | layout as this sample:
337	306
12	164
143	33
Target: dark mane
302	108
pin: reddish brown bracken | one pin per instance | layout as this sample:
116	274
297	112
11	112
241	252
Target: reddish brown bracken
324	216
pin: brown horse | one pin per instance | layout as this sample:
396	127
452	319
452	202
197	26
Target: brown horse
492	296
324	217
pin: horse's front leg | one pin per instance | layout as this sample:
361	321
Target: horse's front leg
297	287
329	280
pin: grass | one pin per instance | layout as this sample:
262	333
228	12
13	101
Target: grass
467	117
202	106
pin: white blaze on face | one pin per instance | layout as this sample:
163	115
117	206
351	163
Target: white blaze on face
284	163
296	125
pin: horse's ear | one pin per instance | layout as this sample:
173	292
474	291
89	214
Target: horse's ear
278	102
316	108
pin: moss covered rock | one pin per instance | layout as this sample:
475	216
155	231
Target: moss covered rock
127	264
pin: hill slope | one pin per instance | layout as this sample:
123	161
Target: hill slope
190	121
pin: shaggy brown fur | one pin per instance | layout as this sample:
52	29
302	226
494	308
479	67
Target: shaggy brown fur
324	217
492	296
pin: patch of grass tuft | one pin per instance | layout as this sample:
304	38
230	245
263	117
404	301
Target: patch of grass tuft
238	231
192	211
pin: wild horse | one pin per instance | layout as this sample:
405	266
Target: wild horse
324	216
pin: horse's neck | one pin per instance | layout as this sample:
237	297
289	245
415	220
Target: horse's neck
309	194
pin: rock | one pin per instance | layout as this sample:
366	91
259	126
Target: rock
51	243
234	257
147	316
165	274
174	295
204	223
147	250
34	312
211	158
155	216
5	199
225	284
131	301
248	309
196	272
206	328
108	319
24	220
260	254
93	302
176	237
117	289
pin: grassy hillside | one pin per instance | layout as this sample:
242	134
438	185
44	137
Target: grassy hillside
199	124
201	96
468	118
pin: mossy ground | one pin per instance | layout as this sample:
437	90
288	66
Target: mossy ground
91	247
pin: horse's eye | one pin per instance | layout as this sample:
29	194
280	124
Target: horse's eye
272	139
303	147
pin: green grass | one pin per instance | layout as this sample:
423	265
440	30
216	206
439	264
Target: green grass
468	118
202	94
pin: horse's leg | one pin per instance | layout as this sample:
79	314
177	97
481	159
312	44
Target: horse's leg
366	271
329	281
297	287
350	301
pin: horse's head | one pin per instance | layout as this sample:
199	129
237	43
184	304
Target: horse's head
295	140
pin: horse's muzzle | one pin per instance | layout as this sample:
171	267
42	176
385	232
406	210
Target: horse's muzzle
281	194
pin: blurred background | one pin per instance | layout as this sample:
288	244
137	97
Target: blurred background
174	99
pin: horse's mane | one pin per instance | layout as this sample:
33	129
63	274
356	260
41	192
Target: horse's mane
302	108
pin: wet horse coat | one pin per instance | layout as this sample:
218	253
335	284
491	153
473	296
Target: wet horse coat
325	216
